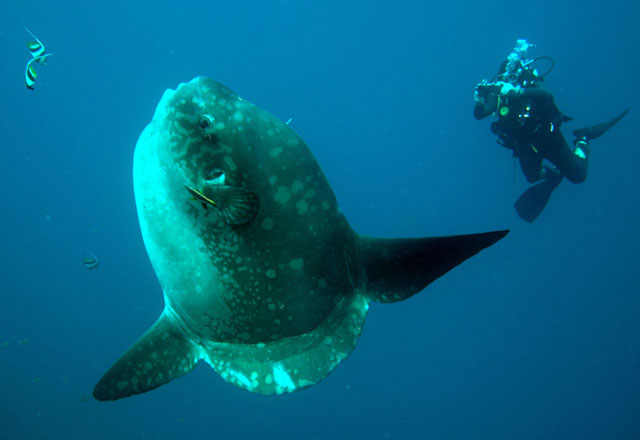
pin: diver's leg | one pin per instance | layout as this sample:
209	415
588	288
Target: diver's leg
532	202
531	165
571	162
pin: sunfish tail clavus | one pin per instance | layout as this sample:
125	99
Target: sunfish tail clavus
263	278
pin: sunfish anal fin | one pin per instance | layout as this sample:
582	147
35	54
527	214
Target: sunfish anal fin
162	354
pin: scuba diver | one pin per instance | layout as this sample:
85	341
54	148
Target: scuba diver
528	123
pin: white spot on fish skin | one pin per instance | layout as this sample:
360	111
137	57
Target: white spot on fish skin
229	161
267	224
302	206
325	205
241	378
296	264
219	126
273	180
272	307
282	379
270	273
237	116
282	195
293	142
296	186
275	152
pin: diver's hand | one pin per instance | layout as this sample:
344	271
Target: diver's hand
485	91
507	88
480	92
478	98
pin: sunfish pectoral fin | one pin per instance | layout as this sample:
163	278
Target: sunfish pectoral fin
162	354
238	205
399	268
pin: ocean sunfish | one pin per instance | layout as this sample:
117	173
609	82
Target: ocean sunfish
263	278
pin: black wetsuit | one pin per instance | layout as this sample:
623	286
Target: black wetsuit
529	124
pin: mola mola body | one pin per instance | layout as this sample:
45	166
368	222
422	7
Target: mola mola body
263	278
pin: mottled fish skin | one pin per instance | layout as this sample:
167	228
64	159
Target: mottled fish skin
261	299
252	269
273	304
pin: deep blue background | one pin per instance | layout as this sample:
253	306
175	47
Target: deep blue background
537	337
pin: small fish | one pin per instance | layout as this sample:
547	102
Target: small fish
91	262
30	74
237	205
197	195
39	55
36	48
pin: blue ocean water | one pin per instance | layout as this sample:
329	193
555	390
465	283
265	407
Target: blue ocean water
536	337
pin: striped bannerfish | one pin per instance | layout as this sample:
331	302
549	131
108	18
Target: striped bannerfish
30	74
36	48
38	55
91	262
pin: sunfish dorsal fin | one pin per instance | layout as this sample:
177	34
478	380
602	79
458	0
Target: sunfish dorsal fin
399	268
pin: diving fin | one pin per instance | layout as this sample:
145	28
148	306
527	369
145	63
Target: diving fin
598	130
531	203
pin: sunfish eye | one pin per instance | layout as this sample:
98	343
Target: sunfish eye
215	176
205	121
